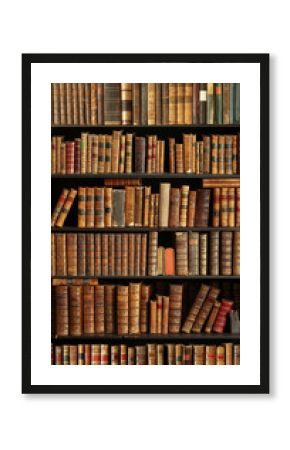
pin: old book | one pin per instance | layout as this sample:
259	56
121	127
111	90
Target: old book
183	206
216	207
160	260
220	355
195	103
124	253
229	353
131	254
178	354
159	313
221	155
89	309
84	146
53	156
172	103
164	103
87	360
202	103
206	154
58	144
228	155
93	104
161	156
122	154
152	354
136	103
96	354
237	103
214	155
108	154
224	310
118	255
195	308
61	256
81	261
158	105
170	354
237	207
226	103
174	207
210	104
180	107
235	156
61	310
75	110
165	315
193	253
181	253
214	252
144	104
224	207
152	253
111	252
169	256
126	103
187	355
191	209
89	153
99	295
171	142
72	254
55	101
140	151
203	253
151	104
179	163
138	213
134	307
226	253
154	154
199	355
234	322
188	104
236	253
144	302
118	212
218	103
205	310
129	206
116	148
65	355
131	356
137	259
90	207
187	148
110	309
202	207
141	355
105	254
175	308
98	202
122	309
147	194
104	354
101	153
62	103
221	182
231	207
59	206
151	220
98	255
149	154
87	103
153	316
53	255
73	355
210	355
164	204
112	104
77	156
160	354
108	192
81	207
236	357
143	256
212	317
69	157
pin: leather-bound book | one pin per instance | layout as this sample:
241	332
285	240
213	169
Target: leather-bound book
203	253
118	213
98	255
237	103
205	310
105	254
188	104
232	101
141	355
164	103
137	259
221	182
183	206
193	253
236	356
210	104
221	155
214	253
187	355
59	142
65	355
231	207
66	208
53	255
122	310
226	103
77	157
216	207
229	353
234	322
81	254
114	355
138	213
136	103
89	153
151	210
131	254
206	154
175	308
122	154
158	105
237	207
151	103
62	103
202	207
159	313
165	314
131	356
181	253
101	153
87	105
84	146
220	322
224	207
61	311
128	152
93	104
116	148
187	148
152	253
75	311
199	157
69	157
144	305
210	355
149	154
105	349
99	309
61	256
172	93
235	154
89	309
147	194
178	354
140	150
118	255
199	355
171	354
109	292
160	261
87	361
202	102
112	104
144	104
174	207
90	207
220	355
53	156
236	253
153	316
228	155
194	147
55	101
124	251
126	103
171	142
180	107
96	354
195	103
169	261
111	251
154	154
100	102
75	109
108	154
129	206
179	163
134	307
195	308
59	205
164	204
191	209
161	156
212	317
72	254
73	355
226	252
214	154
81	207
218	91
152	354
108	192
160	354
143	256
99	207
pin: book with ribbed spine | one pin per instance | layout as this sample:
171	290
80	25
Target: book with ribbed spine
72	255
151	103
89	309
81	254
221	318
118	210
112	104
152	253
210	355
136	103
175	308
144	104
158	105
218	103
202	207
165	314
122	310
226	103
99	298
237	212
110	311
210	104
171	143
202	102
216	207
205	310
172	93
59	205
226	253
108	154
61	260
187	148
203	254
140	152
212	317
126	103
214	251
193	253
164	204
195	308
188	104
144	305
61	311
236	253
153	316
180	105
164	103
134	307
181	253
183	205
228	154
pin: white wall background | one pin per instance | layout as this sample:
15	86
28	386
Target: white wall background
75	422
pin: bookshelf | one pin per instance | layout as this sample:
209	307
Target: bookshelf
76	180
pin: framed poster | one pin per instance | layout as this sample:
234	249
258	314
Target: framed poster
132	212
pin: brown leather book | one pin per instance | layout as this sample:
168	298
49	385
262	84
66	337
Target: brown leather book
110	308
236	253
175	308
159	313
160	354
140	151
180	104
118	254
124	251
61	311
160	261
102	153
216	207
59	142
171	155
178	354
96	354
122	154
108	192
174	207
205	310
105	254
152	253
118	212
131	356
161	156
99	309
226	103
221	318
111	252
90	207
147	195
116	147
158	106
81	254
151	210
144	104
195	308
165	103
179	162
195	103
237	207
131	254
89	153
81	207
165	314
193	253
129	206
210	355
188	104
128	153
164	204
221	155
202	102
229	154
61	256
98	255
187	355
187	148
104	354
191	209
183	206
214	251
53	255
73	355
89	309
231	207
194	147
99	205
55	102
72	254
108	154
93	104
149	154
153	316
199	355
236	356
144	305
202	207
220	355
212	317
226	253
77	156
134	307
152	354
137	259
63	119
206	154
95	153
214	154
229	353
171	354
59	206
84	146
87	105
172	93
154	154
235	165
126	103
141	355
210	107
69	157
143	257
75	110
112	104
53	156
122	310
203	253
181	253
151	104
221	182
136	103
138	213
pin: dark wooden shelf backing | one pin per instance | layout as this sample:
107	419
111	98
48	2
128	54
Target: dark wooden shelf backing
182	337
138	229
145	176
126	127
153	278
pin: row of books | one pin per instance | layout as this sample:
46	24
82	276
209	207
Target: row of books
127	153
100	207
195	253
145	103
149	354
133	309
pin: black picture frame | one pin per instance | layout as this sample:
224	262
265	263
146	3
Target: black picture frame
27	61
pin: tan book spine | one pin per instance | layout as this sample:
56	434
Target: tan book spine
178	354
75	311
181	253
81	207
134	307
141	355
62	103
96	354
99	295
224	202
205	310
59	205
89	153
214	252
210	355
152	253
171	155
53	255
187	355
128	152
187	148
129	206
165	315
151	104
147	194
199	355
216	207
53	156
149	154
131	356
228	155
75	110
144	306
231	207
191	208
221	155
161	146
236	253
89	310
195	308
58	140
188	103
61	310
164	204
81	261
126	103
93	104
110	313
143	257
87	361
63	158
226	253
122	155
156	210
160	354
84	147
171	354
66	208
98	255
105	254
56	103
107	207
229	353
203	253
65	360
89	207
180	90
175	308
138	213
160	261
116	147
194	143
61	257
152	354
95	153
136	103
123	355
131	254
99	207
72	254
108	154
118	254
214	154
220	355
73	355
151	210
235	162
184	206
236	354
153	316
159	313
122	310
137	260
154	154
193	253
111	251
101	153
172	103
179	162
124	251
105	354
237	207
212	317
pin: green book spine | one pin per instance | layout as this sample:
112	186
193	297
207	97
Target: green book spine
232	102
218	103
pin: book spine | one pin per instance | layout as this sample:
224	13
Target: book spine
224	211
216	207
226	252
174	207
179	163
81	252
236	253
109	303
180	106
99	309
98	255
144	104
61	311
199	355
136	103
187	148
153	316
226	103
112	104
165	103
94	105
111	251
164	204
144	304
158	105
75	108
165	315
134	308
212	317
183	206
72	254
202	102
202	208
129	206
214	154
131	254
188	104
171	155
181	255
59	205
61	260
108	154
138	213
210	355
228	155
100	101
175	307
126	103
172	103
128	152
75	311
105	254
237	207
122	310
151	104
193	253
195	103
231	207
140	150
124	252
152	253
87	106
203	254
218	103
214	253
210	104
205	310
